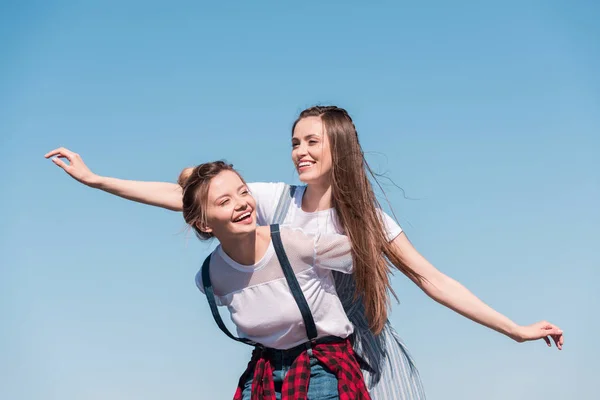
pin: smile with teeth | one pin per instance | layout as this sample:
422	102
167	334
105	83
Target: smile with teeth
305	164
243	216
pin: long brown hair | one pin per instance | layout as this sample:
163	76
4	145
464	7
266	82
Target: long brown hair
195	182
358	212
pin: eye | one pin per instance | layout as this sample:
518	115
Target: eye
245	192
313	141
224	202
294	145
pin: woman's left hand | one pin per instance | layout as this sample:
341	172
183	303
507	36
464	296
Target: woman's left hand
541	330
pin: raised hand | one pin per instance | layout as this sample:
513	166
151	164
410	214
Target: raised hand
76	167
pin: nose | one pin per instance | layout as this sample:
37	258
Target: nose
301	150
241	204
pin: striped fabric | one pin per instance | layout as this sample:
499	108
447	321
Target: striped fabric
390	373
388	368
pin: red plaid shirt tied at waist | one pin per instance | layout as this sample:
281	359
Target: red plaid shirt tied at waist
338	357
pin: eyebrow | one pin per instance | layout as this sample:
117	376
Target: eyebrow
243	185
309	136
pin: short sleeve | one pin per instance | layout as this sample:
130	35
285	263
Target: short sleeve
200	286
391	227
199	281
333	251
267	196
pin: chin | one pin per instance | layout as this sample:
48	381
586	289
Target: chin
308	178
246	228
313	179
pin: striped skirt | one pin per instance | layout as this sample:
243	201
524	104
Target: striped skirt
388	368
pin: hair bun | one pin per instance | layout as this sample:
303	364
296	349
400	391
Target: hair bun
184	176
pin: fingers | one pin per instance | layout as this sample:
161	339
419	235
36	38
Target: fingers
61	151
549	329
60	163
558	341
553	331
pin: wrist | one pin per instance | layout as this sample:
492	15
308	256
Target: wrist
95	181
515	332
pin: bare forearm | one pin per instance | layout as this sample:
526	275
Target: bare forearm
160	194
455	296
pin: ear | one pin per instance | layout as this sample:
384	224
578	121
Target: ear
203	227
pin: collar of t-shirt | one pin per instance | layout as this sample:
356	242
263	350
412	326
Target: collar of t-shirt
247	268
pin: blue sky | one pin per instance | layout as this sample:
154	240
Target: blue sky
488	116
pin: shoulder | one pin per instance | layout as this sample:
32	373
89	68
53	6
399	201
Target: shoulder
273	189
205	263
198	280
267	196
266	189
390	225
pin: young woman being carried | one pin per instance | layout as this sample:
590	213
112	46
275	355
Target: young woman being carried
277	283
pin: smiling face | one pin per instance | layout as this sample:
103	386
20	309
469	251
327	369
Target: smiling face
311	152
230	208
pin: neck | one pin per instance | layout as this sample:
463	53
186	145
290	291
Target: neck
316	197
245	249
241	248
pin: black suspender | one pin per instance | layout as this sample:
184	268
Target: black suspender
290	277
284	204
210	296
309	323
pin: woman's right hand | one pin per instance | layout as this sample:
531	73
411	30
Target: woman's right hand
76	167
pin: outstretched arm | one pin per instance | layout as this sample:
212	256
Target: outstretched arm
160	194
455	296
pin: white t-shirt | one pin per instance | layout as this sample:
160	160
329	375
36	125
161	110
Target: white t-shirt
325	221
259	299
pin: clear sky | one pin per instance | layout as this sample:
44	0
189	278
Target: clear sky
488	116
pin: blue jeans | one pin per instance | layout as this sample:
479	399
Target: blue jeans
323	383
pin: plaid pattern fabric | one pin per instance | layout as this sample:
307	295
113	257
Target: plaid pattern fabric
337	357
263	386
